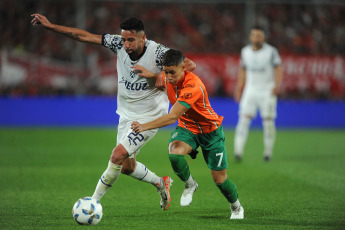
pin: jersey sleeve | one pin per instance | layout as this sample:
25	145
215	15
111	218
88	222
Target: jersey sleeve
276	58
159	53
190	94
112	41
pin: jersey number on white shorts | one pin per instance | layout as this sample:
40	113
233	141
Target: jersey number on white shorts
134	137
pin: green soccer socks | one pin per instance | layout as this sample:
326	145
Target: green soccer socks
229	190
180	166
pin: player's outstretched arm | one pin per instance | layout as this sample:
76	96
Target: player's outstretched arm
176	111
74	33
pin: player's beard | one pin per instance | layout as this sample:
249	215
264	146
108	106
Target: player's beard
135	54
258	45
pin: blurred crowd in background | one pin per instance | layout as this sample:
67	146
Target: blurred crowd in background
205	29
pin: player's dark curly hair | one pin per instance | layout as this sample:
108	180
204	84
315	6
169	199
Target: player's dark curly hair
132	24
172	58
257	27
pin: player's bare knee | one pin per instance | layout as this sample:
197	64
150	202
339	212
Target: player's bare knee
219	176
118	155
177	151
116	158
178	148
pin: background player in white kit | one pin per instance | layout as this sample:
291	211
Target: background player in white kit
260	75
138	67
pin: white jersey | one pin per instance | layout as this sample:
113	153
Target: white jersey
259	66
137	97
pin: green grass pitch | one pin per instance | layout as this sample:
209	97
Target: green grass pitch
44	171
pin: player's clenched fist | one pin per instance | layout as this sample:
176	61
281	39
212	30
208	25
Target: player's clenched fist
40	19
136	127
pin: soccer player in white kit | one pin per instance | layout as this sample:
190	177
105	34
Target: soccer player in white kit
259	78
139	67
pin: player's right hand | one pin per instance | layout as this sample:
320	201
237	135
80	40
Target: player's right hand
40	19
136	127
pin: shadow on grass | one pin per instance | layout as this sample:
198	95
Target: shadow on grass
206	216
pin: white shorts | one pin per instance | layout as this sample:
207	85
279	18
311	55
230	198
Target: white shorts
265	103
130	140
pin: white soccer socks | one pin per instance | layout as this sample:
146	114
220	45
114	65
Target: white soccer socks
235	205
241	135
269	138
144	174
190	182
107	180
237	211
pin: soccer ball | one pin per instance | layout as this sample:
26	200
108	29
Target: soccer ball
87	210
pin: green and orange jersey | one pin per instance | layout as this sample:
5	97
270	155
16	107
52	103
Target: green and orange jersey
191	93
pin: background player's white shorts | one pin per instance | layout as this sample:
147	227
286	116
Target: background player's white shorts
130	140
265	103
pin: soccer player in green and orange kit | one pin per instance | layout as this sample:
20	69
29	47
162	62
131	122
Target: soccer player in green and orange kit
198	125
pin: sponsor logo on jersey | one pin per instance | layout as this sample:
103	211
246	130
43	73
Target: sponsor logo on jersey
189	86
257	69
134	86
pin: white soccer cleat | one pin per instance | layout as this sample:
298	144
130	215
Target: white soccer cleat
165	193
237	213
187	195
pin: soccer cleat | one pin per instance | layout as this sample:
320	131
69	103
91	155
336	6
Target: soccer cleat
187	195
165	193
267	158
238	157
237	213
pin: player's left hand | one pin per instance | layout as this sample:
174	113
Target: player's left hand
142	71
40	19
136	127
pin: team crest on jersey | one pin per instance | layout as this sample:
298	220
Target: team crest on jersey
132	74
187	95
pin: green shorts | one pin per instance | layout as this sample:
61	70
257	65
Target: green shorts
212	145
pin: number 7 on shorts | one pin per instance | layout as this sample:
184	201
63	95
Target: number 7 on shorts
220	159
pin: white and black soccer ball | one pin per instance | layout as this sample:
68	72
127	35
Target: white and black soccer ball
87	210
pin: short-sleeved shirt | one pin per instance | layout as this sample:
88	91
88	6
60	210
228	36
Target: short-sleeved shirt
191	93
137	96
259	66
